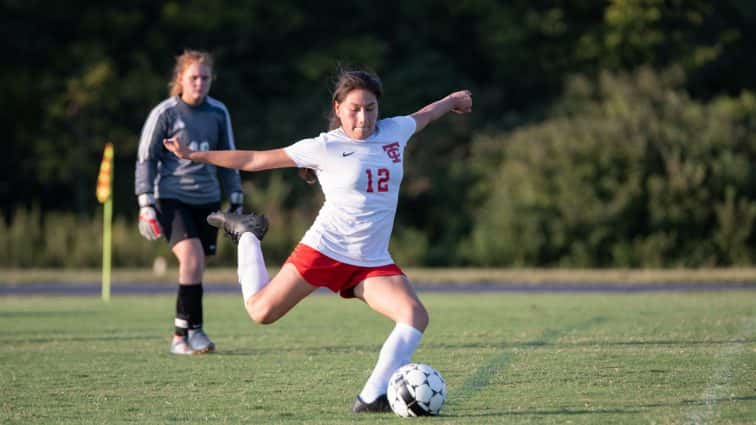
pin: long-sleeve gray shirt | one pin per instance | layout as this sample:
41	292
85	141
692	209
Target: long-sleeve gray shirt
203	127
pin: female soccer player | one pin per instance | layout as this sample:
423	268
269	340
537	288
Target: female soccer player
359	164
175	196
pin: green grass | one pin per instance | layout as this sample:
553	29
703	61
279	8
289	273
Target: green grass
665	358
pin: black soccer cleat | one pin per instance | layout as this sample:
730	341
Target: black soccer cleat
380	405
236	224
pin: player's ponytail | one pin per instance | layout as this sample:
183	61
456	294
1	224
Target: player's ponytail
308	175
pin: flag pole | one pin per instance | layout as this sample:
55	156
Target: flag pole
106	247
104	195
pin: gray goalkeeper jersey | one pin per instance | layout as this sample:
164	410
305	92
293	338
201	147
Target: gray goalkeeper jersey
203	127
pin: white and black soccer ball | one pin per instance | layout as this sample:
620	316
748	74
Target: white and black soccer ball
416	389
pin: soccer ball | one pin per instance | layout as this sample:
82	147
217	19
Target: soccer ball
416	389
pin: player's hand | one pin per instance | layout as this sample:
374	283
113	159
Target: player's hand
462	102
149	227
174	145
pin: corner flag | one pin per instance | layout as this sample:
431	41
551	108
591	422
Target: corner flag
104	185
104	195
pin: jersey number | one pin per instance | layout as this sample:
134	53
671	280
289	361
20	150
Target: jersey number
383	178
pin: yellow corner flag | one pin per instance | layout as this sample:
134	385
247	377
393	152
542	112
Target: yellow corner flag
104	185
104	195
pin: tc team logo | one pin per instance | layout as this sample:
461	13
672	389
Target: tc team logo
392	150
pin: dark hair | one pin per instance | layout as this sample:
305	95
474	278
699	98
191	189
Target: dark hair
346	81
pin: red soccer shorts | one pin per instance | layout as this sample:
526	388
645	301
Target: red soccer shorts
320	270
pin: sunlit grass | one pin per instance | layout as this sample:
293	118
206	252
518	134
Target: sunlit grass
507	358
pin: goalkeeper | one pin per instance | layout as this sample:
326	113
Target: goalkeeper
176	195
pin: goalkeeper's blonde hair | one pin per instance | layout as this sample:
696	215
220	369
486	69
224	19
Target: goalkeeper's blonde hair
183	61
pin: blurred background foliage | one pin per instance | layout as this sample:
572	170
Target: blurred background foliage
605	133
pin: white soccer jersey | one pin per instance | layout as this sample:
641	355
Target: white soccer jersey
360	180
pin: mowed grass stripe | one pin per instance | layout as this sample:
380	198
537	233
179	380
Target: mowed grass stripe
481	377
718	387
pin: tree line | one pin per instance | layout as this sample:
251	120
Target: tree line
603	134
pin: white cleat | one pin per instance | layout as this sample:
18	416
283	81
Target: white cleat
180	346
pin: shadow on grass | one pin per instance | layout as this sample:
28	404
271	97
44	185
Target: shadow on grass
535	344
37	314
711	401
302	350
626	410
564	411
102	338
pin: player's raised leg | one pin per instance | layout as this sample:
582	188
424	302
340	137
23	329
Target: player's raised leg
393	297
253	275
279	296
247	231
265	300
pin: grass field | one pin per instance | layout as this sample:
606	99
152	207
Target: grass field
665	358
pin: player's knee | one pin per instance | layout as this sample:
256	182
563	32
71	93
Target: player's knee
418	317
260	312
193	265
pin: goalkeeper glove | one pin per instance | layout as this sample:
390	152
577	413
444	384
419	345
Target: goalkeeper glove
149	226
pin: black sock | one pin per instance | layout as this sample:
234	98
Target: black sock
182	318
189	307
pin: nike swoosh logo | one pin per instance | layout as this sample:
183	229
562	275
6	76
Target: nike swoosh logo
346	153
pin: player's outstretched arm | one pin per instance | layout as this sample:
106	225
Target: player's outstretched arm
459	102
237	159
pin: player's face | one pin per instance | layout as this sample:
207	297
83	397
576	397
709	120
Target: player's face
358	113
195	83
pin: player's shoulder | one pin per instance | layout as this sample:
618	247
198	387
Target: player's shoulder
216	104
310	144
400	124
331	136
164	106
161	115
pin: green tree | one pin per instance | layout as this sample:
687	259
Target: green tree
629	172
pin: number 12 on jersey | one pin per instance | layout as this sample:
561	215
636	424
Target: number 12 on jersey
383	177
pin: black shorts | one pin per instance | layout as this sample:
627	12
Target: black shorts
185	221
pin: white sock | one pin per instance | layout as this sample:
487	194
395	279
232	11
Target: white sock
253	275
395	353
